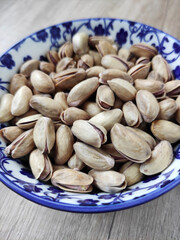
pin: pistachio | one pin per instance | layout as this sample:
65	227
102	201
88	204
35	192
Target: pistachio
94	71
57	124
123	89
131	172
69	78
177	115
58	167
155	87
90	133
139	71
46	106
61	99
143	50
17	81
132	115
40	165
91	108
162	156
85	62
52	57
166	130
72	180
110	74
20	102
155	76
66	50
93	157
147	105
142	60
115	62
64	144
72	114
107	119
75	163
130	144
29	66
5	107
94	40
105	97
28	122
167	109
108	181
118	103
80	43
82	91
28	113
172	88
105	47
65	63
160	65
22	145
96	57
124	53
10	133
46	67
42	82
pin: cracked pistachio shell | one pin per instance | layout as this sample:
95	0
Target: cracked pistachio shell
124	53
105	97
66	50
160	65
142	60
46	106
91	108
5	107
157	88
29	66
93	157
173	88
65	63
80	43
64	144
130	144
107	119
75	163
132	115
96	57
28	122
94	40
20	102
52	57
72	180
147	137
143	50
46	67
105	47
44	134
108	181
86	61
42	82
167	109
72	114
10	133
61	99
110	74
82	91
139	71
147	105
166	130
40	165
94	71
115	62
17	81
161	158
22	145
123	89
155	76
177	115
90	133
131	172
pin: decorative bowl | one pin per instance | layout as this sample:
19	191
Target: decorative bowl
18	177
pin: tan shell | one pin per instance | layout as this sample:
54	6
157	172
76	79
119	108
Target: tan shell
142	60
105	47
110	74
52	57
64	144
46	67
132	115
29	66
124	53
10	133
82	91
118	103
166	130
86	61
75	163
66	50
105	97
177	115
72	114
28	122
91	108
41	166
94	71
72	180
58	167
20	102
147	105
113	61
161	158
61	99
143	50
155	76
123	89
5	107
93	157
94	40
167	109
80	43
96	57
107	119
130	144
17	81
90	133
65	63
108	181
131	172
173	88
139	71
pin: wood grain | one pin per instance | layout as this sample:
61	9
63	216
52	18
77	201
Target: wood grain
21	219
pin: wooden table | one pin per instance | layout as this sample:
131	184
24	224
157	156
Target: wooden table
21	219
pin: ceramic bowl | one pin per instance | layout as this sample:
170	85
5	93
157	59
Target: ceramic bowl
18	177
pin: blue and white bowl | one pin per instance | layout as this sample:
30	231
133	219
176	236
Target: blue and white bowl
19	178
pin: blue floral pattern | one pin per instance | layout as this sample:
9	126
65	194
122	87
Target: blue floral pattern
17	176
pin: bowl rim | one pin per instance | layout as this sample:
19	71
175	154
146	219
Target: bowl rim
88	209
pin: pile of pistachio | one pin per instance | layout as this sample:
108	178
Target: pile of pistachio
93	114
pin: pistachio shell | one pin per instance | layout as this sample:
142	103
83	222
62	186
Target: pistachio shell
132	115
5	107
72	114
66	50
52	57
58	167
65	63
154	75
46	67
85	62
29	66
28	122
113	61
143	50
105	47
139	71
61	99
17	81
96	57
142	60
91	108
10	133
124	53
94	71
173	88
80	43
94	40
110	74
105	97
75	163
167	109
